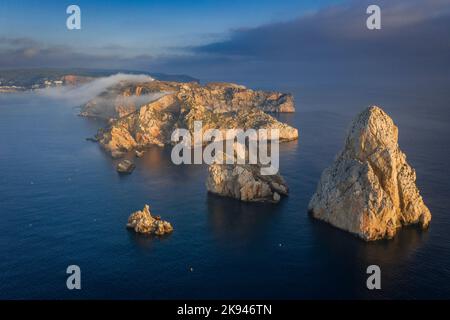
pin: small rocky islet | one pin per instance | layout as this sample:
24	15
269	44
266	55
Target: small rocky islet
369	190
125	167
143	222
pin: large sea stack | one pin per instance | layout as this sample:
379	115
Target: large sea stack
370	190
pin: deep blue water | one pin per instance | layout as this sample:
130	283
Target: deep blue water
63	203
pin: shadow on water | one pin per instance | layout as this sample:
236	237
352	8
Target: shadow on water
348	257
144	241
235	221
159	160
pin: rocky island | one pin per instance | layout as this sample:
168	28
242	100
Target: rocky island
218	105
143	222
370	190
219	97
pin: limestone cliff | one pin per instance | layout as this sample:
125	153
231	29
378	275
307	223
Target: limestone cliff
370	189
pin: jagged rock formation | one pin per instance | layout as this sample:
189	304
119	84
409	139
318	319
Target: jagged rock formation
123	98
155	122
370	189
144	222
245	183
125	166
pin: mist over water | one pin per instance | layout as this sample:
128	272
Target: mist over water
78	95
62	203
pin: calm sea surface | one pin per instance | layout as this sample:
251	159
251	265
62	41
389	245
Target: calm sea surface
63	203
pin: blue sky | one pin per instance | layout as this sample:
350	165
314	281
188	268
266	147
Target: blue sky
144	27
225	40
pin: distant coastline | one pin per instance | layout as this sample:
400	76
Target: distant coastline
20	80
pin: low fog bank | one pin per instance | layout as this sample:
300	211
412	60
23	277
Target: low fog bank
80	95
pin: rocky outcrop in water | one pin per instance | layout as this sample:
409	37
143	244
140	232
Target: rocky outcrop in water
125	167
245	183
139	154
143	222
370	190
125	98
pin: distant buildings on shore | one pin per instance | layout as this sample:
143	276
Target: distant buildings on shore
6	87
